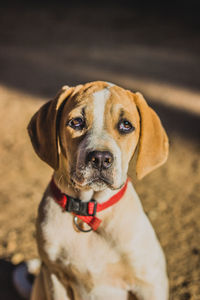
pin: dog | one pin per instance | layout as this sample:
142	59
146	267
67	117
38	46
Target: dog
93	237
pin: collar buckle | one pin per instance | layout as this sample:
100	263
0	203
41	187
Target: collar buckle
81	208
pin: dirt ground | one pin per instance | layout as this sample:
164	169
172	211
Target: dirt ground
42	49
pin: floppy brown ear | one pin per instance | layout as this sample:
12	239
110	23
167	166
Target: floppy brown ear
153	143
42	128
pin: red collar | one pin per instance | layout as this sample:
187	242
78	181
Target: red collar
85	211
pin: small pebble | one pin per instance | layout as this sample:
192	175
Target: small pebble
17	258
162	205
11	246
152	214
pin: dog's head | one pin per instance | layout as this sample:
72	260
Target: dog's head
90	132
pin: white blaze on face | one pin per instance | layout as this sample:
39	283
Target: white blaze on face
110	84
91	142
100	99
99	137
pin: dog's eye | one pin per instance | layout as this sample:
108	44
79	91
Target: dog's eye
77	123
125	126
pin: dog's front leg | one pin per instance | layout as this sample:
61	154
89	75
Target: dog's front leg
148	262
48	287
153	287
38	290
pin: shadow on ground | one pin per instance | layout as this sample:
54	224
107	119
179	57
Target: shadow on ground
43	47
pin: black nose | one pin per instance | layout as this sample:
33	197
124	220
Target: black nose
100	159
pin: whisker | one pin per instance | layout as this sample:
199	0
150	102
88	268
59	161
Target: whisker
59	180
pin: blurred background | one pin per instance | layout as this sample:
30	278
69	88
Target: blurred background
147	46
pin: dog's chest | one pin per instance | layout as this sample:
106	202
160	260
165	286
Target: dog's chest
78	256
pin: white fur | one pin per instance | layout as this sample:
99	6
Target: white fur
99	139
110	84
99	136
100	99
108	293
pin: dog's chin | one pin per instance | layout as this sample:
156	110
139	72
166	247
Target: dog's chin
98	185
94	183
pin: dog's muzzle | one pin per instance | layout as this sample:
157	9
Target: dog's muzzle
94	168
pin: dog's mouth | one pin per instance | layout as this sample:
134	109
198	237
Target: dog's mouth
100	179
96	181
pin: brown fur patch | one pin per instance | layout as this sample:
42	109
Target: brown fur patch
120	273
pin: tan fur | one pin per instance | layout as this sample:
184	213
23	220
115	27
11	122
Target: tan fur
123	256
153	149
43	129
